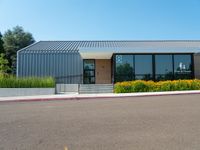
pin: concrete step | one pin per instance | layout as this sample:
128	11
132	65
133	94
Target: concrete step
95	88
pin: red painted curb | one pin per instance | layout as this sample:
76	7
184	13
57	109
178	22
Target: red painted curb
82	98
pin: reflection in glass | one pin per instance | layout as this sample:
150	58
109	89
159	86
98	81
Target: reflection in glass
124	68
182	66
162	77
143	67
89	80
88	73
163	67
144	77
89	64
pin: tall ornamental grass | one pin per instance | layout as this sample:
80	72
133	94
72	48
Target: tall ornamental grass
151	86
31	82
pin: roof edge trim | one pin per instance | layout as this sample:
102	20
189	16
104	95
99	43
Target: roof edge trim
28	46
190	40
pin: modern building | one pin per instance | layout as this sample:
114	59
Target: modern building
106	62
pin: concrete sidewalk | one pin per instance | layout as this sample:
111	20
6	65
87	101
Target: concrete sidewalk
90	96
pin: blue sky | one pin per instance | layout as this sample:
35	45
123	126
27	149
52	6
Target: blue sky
103	19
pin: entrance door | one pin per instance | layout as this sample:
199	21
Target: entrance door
89	71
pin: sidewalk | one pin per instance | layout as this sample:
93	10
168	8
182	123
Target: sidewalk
91	96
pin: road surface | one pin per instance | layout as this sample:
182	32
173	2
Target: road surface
138	123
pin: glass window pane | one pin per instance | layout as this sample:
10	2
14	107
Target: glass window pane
124	64
89	80
183	76
86	80
182	64
92	80
164	77
163	64
88	73
120	78
144	77
124	68
143	64
89	64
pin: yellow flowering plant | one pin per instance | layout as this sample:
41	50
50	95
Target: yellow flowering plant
151	86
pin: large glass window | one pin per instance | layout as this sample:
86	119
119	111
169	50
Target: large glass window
163	67
143	67
182	67
124	68
153	67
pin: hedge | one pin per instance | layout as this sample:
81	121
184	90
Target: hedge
32	82
151	86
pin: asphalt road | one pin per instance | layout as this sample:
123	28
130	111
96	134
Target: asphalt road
145	123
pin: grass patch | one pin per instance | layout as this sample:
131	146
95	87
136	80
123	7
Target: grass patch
30	82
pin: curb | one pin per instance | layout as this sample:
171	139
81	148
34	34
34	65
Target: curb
101	96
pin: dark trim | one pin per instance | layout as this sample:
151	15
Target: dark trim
153	53
193	68
112	70
133	73
114	67
173	67
154	66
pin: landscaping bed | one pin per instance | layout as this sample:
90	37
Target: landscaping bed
151	86
12	86
29	82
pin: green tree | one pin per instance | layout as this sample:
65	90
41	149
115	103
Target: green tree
15	40
1	44
4	68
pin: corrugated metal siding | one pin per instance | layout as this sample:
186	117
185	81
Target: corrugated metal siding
65	66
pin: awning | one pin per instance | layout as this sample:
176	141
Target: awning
106	53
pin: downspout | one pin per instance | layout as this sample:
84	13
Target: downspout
17	63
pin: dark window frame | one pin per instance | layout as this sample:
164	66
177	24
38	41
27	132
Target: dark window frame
90	76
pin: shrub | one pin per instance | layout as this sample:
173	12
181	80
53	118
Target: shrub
151	86
31	82
140	86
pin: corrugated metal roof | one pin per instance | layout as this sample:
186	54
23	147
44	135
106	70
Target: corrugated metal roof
75	45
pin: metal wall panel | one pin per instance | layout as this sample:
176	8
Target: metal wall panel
197	66
66	67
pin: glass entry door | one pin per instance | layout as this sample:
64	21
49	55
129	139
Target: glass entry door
89	71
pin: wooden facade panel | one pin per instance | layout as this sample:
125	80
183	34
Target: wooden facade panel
103	71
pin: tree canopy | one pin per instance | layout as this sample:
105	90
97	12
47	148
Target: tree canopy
15	40
1	44
4	68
